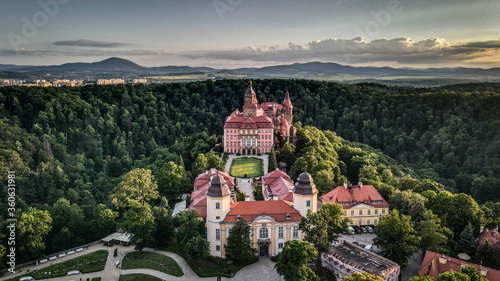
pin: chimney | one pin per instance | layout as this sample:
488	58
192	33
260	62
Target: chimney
345	185
360	184
484	272
442	260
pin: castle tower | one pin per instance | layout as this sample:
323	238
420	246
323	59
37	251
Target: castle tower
287	104
218	205
305	194
250	106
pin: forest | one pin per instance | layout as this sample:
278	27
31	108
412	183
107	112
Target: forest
73	148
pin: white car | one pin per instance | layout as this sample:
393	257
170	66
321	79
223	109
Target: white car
26	278
351	229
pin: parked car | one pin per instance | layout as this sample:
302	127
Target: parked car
362	245
73	272
355	243
357	230
351	229
369	247
369	229
363	229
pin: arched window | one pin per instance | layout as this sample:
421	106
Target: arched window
264	233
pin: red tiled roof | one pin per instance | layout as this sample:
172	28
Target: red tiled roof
492	236
250	210
201	184
272	176
268	106
432	267
365	194
287	103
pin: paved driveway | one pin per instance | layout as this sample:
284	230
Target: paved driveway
263	270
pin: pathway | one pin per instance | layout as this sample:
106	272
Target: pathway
261	270
245	186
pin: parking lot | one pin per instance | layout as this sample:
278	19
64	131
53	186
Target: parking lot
362	239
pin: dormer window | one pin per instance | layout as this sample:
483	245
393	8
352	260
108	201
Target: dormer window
288	216
238	218
229	125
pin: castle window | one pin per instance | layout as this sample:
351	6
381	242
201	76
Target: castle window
345	213
376	211
360	212
217	205
295	232
352	212
280	245
383	211
369	212
368	222
217	218
217	247
280	232
264	233
217	234
308	203
375	221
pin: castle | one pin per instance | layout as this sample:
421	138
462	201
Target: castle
255	130
272	222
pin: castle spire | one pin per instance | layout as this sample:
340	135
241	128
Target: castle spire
250	97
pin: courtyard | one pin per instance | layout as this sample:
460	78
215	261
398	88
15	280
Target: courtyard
247	167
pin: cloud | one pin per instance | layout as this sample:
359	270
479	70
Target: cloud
357	50
89	43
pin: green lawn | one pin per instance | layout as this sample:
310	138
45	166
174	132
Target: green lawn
92	262
154	261
138	277
251	167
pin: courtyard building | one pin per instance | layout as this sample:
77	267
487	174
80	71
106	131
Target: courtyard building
361	203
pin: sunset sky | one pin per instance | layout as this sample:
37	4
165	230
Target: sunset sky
247	33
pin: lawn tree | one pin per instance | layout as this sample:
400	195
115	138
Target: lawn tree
214	161
324	227
200	165
467	243
272	161
362	277
198	248
172	181
189	224
140	223
434	235
32	228
138	185
239	245
293	260
396	237
164	226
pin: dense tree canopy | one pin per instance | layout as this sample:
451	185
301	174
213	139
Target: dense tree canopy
293	260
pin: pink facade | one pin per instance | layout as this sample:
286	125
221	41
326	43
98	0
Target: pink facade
254	130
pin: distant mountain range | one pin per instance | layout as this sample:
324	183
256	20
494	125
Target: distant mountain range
118	67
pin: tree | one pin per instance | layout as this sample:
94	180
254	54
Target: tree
272	161
189	224
293	260
467	243
363	277
239	245
324	227
104	220
462	211
453	276
434	235
396	237
164	226
136	185
140	223
485	255
172	181
200	165
472	272
325	181
214	161
32	228
198	248
421	278
287	155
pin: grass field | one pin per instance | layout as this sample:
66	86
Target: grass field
138	277
152	261
92	262
251	167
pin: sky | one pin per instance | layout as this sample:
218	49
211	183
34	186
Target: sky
252	33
